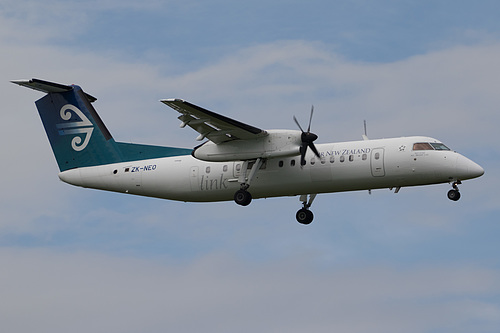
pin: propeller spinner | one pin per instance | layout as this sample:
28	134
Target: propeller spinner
307	139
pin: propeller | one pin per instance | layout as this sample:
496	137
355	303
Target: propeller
307	139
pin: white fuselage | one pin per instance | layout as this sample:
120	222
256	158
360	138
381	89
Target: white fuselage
343	166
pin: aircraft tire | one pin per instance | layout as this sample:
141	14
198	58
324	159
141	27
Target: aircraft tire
453	195
242	197
304	216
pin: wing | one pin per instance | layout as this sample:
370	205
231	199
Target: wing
213	126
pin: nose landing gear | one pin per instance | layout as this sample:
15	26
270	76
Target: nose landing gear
304	215
454	194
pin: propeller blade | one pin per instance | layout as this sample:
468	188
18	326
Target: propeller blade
310	119
303	150
313	148
297	122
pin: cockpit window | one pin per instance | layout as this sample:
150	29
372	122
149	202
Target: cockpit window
439	146
429	146
422	146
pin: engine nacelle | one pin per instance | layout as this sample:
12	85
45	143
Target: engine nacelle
278	143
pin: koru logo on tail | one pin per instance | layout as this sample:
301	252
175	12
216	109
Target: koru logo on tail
75	127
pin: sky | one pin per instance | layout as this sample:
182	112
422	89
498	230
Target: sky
82	260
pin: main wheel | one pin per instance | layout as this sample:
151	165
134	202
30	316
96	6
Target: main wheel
304	216
242	197
453	195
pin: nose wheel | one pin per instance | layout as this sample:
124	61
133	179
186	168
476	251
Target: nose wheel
304	215
454	194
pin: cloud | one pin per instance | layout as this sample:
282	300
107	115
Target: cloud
90	291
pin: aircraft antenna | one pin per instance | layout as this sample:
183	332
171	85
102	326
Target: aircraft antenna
365	136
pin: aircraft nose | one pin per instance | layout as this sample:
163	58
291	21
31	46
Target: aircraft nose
476	170
468	169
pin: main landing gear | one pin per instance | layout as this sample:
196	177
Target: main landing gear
454	194
242	197
304	215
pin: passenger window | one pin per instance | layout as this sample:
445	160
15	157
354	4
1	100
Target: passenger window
422	146
342	158
224	168
207	170
292	162
364	157
280	163
313	161
377	156
332	159
351	158
323	160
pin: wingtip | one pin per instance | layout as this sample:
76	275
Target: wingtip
20	82
169	100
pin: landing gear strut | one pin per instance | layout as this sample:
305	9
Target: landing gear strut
304	215
242	197
454	194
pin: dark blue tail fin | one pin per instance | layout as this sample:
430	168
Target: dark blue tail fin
77	134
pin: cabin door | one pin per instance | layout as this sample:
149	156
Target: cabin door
377	162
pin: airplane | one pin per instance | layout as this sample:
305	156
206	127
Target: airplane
236	161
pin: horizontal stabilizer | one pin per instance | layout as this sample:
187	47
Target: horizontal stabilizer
48	87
